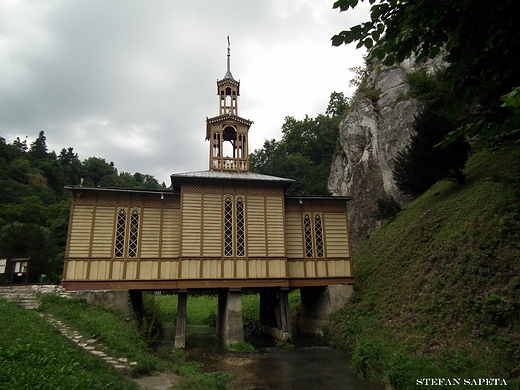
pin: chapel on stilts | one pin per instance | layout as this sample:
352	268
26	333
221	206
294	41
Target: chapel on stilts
224	229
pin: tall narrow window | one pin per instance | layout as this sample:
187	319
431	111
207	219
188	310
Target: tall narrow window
307	228
228	225
119	246
127	232
234	226
313	235
240	228
133	233
318	235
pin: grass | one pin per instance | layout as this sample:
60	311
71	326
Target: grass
44	359
47	360
437	291
119	336
201	310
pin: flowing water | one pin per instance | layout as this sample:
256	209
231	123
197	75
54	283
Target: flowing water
309	365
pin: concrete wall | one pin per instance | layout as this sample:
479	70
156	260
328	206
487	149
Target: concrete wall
318	303
123	300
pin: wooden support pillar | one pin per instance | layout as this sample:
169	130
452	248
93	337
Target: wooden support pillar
285	316
275	318
180	328
230	325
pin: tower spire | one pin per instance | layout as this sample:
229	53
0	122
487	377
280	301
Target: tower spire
228	74
228	56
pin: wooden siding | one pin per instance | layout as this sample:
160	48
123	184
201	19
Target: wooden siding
336	235
212	225
256	226
187	244
171	231
191	224
102	232
151	233
275	226
80	231
294	235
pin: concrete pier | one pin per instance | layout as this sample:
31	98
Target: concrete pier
180	327
230	326
318	303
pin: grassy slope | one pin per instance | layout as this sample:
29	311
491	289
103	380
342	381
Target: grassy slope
438	288
45	359
34	355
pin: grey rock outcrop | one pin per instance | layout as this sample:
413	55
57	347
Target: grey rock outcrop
374	131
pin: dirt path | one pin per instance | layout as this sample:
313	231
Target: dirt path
162	381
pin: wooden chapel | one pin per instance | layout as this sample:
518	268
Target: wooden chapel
224	228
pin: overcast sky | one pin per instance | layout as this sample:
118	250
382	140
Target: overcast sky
132	81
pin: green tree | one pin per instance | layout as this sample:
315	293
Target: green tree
99	173
476	37
72	167
306	150
424	162
38	149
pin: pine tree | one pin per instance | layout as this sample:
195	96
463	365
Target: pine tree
424	162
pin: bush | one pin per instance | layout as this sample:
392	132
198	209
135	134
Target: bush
387	208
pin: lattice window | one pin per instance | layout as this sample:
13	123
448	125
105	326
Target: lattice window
318	235
127	232
133	233
119	246
307	228
313	235
228	225
240	226
234	226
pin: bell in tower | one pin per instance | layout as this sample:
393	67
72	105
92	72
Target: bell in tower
228	132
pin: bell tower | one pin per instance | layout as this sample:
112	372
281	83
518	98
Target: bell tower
228	133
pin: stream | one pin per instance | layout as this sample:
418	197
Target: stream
309	365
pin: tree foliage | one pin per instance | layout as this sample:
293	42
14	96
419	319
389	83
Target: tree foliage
305	151
34	205
477	38
424	162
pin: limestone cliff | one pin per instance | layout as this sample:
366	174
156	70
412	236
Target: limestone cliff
377	127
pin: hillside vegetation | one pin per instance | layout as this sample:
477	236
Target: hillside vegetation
46	359
437	291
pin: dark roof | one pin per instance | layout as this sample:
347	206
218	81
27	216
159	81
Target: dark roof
228	175
80	188
330	197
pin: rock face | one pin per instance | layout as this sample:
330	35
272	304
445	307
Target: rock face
375	130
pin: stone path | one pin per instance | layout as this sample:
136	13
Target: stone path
121	364
27	296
